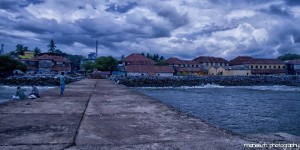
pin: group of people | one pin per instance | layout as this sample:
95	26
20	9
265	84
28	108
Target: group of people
21	93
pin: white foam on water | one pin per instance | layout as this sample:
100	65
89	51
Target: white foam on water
273	88
262	88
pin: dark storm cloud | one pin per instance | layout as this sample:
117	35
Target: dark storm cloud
292	2
114	7
17	4
239	2
174	17
279	10
9	4
225	28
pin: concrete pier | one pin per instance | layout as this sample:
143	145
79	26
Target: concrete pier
97	114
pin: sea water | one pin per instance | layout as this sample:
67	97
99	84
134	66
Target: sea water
244	109
6	92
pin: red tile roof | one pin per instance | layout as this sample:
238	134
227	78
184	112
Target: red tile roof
149	69
54	58
177	61
210	59
240	60
138	59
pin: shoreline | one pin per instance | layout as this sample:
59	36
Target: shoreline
177	81
38	80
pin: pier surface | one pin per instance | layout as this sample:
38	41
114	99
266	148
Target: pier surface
97	114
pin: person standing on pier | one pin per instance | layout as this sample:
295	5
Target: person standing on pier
62	83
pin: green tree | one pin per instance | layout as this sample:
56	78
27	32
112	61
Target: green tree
75	60
162	63
155	57
2	49
36	51
8	65
289	56
162	58
106	63
58	51
88	66
51	46
148	56
20	49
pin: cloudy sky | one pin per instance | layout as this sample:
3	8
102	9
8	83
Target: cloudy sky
182	28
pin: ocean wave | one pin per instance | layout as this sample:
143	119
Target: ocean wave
274	88
213	86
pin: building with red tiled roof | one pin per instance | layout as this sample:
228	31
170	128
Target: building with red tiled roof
209	61
260	66
46	63
240	60
149	70
203	63
137	59
138	65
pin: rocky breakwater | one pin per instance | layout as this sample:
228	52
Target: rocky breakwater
177	81
41	80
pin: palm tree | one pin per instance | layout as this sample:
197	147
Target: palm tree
52	46
36	51
20	49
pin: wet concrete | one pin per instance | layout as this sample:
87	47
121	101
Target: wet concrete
97	114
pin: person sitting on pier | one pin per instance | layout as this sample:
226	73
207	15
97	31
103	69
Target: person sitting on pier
34	93
20	94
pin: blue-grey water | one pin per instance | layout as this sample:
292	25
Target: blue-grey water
6	92
245	110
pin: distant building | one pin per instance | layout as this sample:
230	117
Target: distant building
260	66
149	70
46	63
139	65
137	59
237	71
208	61
202	65
27	55
293	67
191	71
216	70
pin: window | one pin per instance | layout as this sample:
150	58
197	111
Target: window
283	67
256	67
197	65
270	67
252	67
260	67
274	67
265	67
279	67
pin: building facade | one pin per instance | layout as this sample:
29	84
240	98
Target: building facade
293	67
260	66
49	64
139	65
